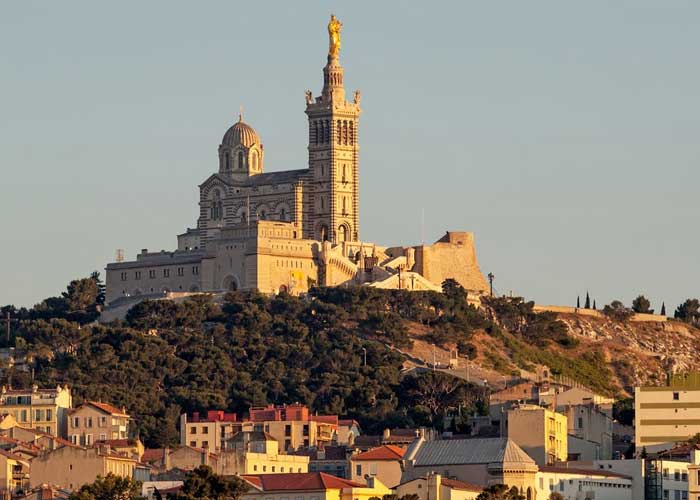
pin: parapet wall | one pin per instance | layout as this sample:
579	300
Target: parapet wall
639	317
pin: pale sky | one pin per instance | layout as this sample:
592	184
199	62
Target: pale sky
563	134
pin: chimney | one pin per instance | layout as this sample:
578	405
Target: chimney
386	434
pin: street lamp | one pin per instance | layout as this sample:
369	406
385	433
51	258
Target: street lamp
491	277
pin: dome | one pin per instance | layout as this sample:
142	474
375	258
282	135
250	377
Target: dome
240	134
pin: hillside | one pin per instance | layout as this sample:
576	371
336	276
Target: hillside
248	349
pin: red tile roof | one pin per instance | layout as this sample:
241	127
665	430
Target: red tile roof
151	455
461	485
107	408
303	481
386	452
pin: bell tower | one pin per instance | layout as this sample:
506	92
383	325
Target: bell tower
331	210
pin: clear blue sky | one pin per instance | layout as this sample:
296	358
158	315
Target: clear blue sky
564	134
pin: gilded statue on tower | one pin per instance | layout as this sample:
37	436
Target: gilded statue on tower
334	27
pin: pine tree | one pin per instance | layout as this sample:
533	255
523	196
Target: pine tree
578	302
663	309
588	301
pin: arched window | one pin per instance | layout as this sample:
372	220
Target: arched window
344	178
350	133
339	131
314	132
227	161
343	233
345	132
283	214
240	160
327	132
324	233
345	211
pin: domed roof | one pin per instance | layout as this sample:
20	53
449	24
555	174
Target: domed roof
240	134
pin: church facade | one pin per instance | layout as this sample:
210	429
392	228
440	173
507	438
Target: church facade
291	230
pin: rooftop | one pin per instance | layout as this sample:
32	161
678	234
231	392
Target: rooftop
385	452
299	482
467	451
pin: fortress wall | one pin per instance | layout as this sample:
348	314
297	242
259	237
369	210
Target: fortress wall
453	256
638	317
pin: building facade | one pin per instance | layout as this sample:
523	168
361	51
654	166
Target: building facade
94	421
542	433
45	410
665	415
291	229
383	463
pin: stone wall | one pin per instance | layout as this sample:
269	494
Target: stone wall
452	256
638	317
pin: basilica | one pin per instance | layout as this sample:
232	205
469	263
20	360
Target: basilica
286	231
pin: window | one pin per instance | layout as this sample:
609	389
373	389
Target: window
124	276
180	271
88	422
195	270
38	415
23	416
240	159
287	444
358	469
305	430
74	439
205	444
76	422
103	436
676	396
255	467
88	439
227	161
264	468
205	430
287	430
166	273
137	275
193	430
152	273
49	415
273	468
103	421
580	422
193	444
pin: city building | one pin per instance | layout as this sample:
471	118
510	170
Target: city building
43	409
255	452
14	474
293	426
94	421
383	463
288	230
666	415
541	432
70	467
436	487
694	482
310	485
572	484
589	432
330	459
483	462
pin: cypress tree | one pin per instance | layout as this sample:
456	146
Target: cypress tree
587	305
663	309
594	307
578	302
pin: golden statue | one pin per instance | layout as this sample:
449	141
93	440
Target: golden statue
334	27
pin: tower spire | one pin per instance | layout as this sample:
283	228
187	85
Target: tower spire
333	89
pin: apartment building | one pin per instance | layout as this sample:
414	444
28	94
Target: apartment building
95	421
383	463
540	432
14	474
70	467
293	426
254	452
667	414
589	431
43	409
